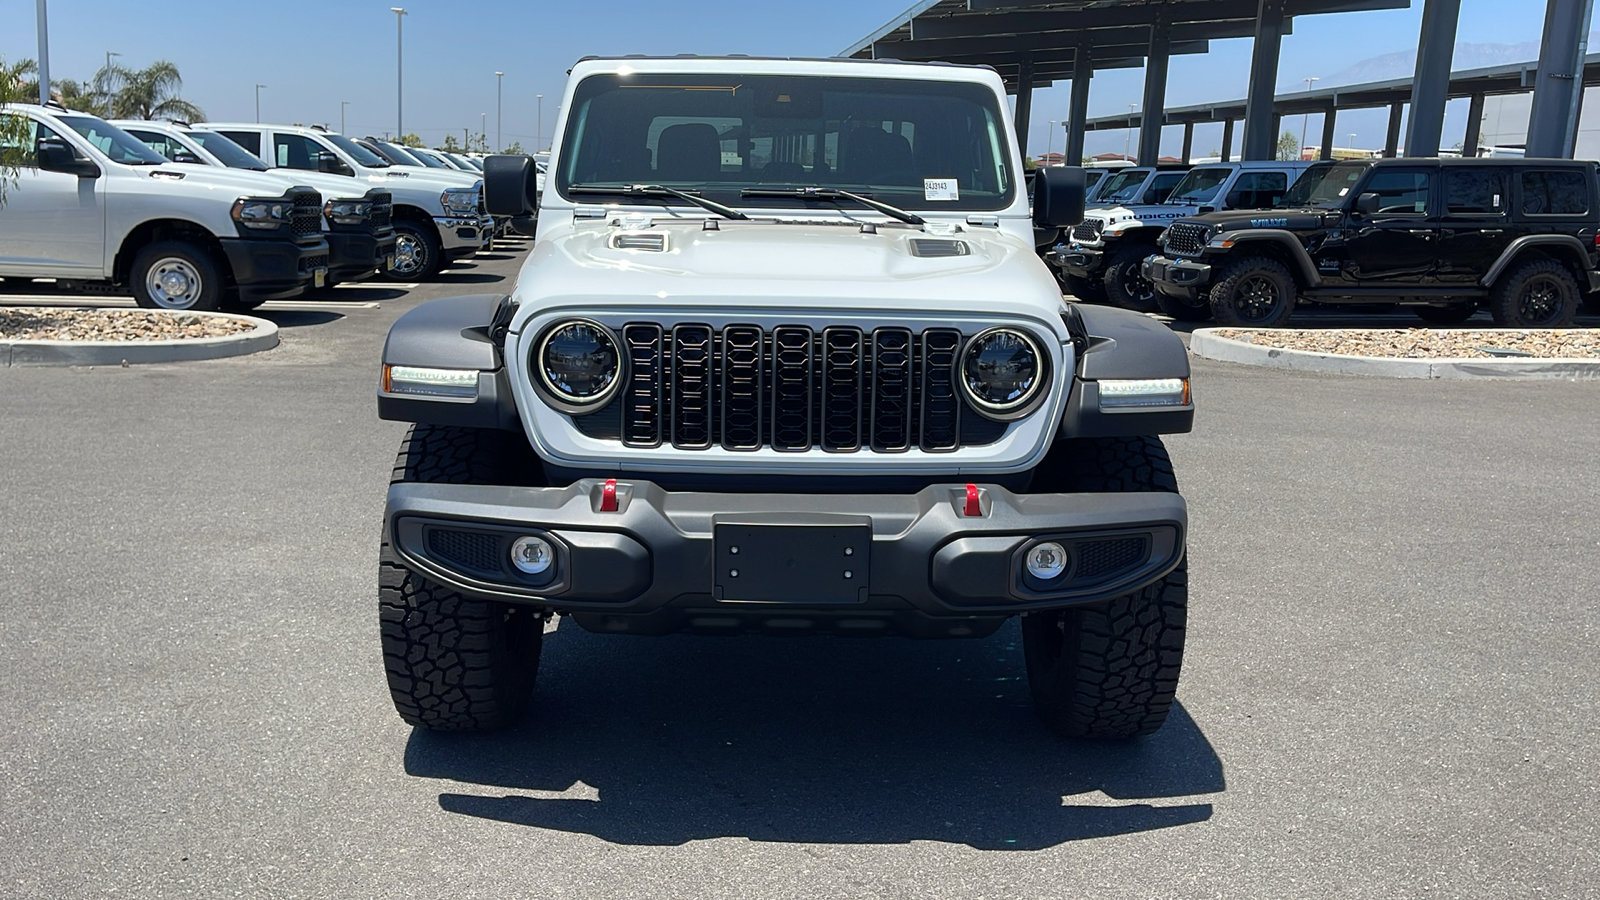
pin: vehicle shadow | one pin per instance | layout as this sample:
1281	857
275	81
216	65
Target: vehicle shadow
285	318
354	293
454	276
661	741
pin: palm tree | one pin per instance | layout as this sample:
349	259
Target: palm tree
148	93
77	95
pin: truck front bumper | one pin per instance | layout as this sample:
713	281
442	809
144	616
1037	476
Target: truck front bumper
276	269
357	254
463	236
634	558
1084	262
1180	278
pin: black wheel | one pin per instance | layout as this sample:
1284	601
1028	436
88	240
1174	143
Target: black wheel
417	251
1125	284
454	663
1253	293
1196	310
1540	293
1111	670
1086	289
1446	315
176	275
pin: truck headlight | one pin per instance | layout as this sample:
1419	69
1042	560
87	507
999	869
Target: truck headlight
579	365
262	215
460	201
1003	372
457	384
1143	393
347	212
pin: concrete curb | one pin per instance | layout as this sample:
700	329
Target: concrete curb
1207	345
264	336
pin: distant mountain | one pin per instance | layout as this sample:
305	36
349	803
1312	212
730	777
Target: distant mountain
1403	64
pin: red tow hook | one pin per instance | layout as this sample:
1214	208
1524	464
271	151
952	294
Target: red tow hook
973	508
608	496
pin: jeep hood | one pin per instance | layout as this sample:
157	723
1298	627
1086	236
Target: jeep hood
768	266
1153	212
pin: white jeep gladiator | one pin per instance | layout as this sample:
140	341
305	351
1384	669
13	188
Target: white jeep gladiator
782	360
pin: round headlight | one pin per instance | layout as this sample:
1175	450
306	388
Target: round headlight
1002	373
579	364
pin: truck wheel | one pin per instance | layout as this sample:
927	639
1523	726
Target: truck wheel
1446	315
454	663
417	252
1085	289
1125	284
1196	310
1253	293
1540	293
175	275
1111	670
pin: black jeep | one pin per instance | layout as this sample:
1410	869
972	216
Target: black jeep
1441	235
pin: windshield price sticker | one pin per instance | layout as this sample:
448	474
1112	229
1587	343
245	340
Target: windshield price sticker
940	189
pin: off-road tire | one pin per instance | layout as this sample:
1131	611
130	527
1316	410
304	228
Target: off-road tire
1446	315
429	251
1110	671
1230	308
192	260
1197	310
454	663
1512	300
1125	284
1088	290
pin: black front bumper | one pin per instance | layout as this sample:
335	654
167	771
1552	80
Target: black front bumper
859	564
357	254
275	269
1083	262
1181	278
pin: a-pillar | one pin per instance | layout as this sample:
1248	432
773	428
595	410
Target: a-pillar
1430	88
1391	143
1469	144
1227	140
1154	111
1260	132
1078	114
1330	118
1553	122
1024	103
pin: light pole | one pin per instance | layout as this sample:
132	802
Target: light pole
499	108
43	21
105	79
1352	140
1050	139
342	105
538	134
483	131
1127	137
1303	118
258	103
399	70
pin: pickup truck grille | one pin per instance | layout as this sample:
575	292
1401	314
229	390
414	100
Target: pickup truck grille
791	388
382	212
1185	239
306	218
1088	230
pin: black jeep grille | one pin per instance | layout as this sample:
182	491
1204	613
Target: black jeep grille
1185	238
1088	230
306	217
791	388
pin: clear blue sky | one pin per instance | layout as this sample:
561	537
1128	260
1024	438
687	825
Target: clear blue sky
313	55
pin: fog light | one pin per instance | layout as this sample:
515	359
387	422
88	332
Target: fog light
532	555
1047	561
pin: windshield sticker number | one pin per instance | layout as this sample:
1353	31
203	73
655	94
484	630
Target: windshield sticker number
940	189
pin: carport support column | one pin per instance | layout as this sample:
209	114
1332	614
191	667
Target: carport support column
1188	142
1260	138
1024	103
1078	114
1430	87
1330	118
1391	143
1469	143
1553	123
1154	111
1227	140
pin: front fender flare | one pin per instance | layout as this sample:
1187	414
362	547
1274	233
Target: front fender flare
453	333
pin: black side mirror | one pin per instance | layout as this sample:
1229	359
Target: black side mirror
186	158
527	226
510	186
56	155
1368	204
1058	196
1233	199
329	164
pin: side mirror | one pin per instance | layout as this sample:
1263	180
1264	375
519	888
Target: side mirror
56	155
510	187
1368	204
1058	196
528	226
186	158
329	164
1233	199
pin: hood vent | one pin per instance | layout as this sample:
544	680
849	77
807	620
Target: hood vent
654	243
937	249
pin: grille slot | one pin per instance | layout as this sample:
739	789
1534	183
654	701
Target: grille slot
842	378
642	394
1185	238
891	389
741	387
692	369
1101	559
941	408
792	388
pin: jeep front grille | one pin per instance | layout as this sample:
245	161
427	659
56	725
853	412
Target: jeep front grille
305	220
1185	239
1088	230
791	388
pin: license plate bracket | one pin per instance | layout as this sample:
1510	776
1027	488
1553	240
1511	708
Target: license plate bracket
319	276
809	560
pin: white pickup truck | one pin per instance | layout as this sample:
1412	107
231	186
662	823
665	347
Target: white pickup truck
437	218
93	204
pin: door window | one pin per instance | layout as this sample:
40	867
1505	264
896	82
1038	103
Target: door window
1259	190
1475	191
249	140
295	151
18	136
1401	192
161	143
1161	187
1554	193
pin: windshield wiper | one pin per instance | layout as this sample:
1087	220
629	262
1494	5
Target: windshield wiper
656	190
829	193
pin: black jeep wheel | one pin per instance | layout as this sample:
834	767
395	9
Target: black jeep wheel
1254	293
1196	310
454	663
1446	315
1537	294
1109	670
1125	284
1088	290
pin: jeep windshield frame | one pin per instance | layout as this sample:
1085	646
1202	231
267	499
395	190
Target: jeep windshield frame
720	135
1122	187
1325	187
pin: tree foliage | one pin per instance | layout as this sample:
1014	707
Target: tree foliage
450	145
148	93
410	140
14	88
1288	146
515	149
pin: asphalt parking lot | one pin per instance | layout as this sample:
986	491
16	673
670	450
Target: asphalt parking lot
1386	694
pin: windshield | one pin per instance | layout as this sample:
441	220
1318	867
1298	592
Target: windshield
399	154
118	145
427	159
1323	185
926	144
232	155
360	154
467	163
1122	187
1199	186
